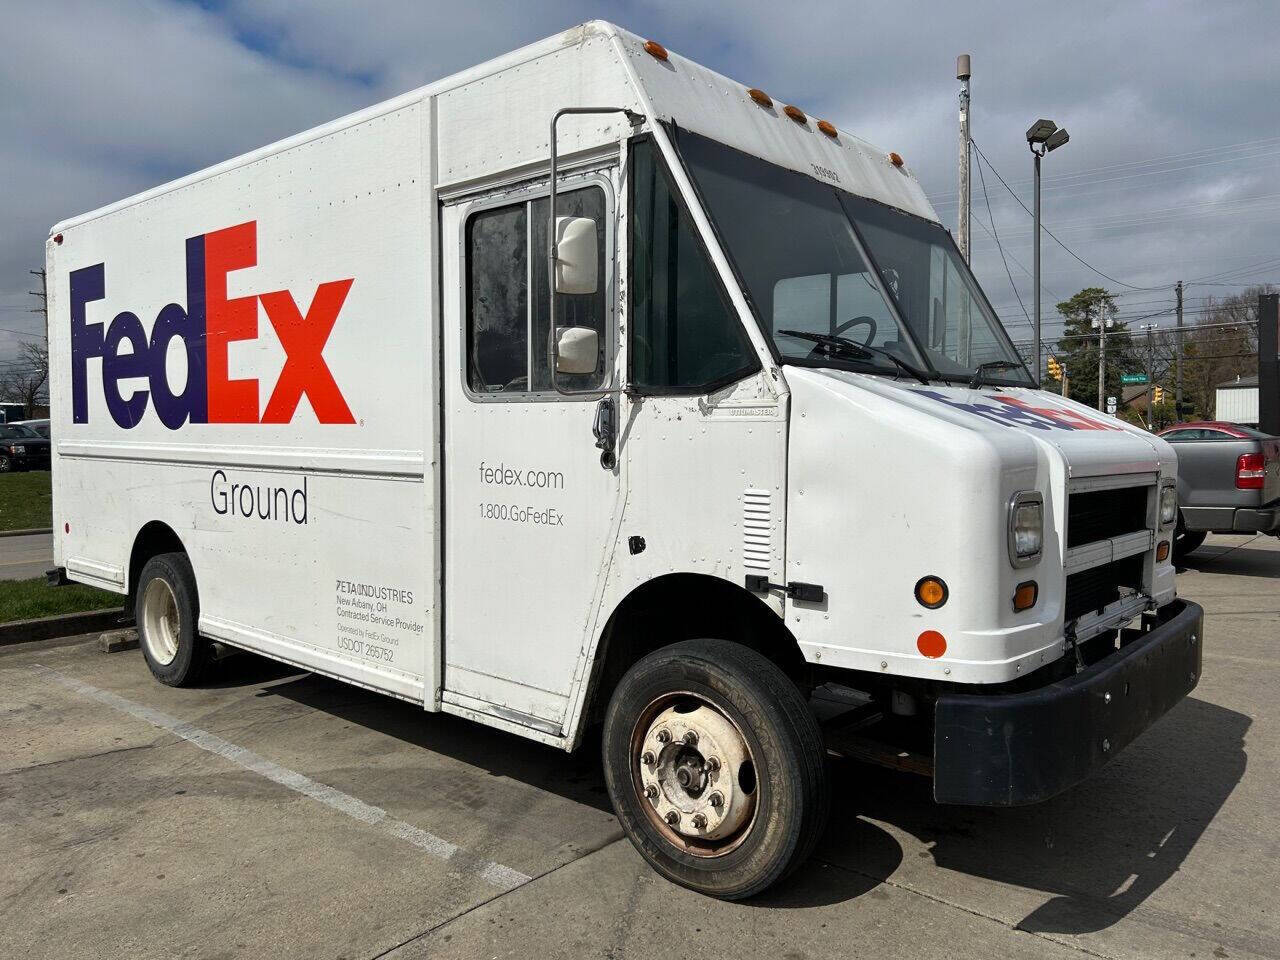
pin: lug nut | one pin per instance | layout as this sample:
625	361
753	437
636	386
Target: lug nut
699	822
690	738
716	800
651	792
647	758
664	736
672	817
712	764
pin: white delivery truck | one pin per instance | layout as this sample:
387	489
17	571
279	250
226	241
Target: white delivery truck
746	430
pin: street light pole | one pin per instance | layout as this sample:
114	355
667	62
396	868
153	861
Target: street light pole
1036	264
1043	136
962	74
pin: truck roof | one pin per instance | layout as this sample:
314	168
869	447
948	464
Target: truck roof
675	89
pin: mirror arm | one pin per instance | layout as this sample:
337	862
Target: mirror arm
635	119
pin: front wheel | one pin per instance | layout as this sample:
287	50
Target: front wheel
1185	541
716	767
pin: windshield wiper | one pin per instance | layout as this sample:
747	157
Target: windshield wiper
978	378
860	351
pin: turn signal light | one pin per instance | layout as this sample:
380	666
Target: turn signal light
796	114
1162	551
1025	596
931	592
760	97
656	50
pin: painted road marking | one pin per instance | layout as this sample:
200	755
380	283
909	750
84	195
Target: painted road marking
494	873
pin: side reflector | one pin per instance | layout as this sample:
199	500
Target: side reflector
57	238
828	128
1162	551
760	97
1025	595
931	592
895	159
656	50
931	644
796	114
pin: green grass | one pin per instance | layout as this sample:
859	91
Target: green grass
25	501
29	599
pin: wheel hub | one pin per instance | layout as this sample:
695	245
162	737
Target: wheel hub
696	772
160	621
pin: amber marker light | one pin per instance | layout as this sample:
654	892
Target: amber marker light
827	127
1025	596
931	592
1162	551
896	159
796	114
656	50
760	97
931	644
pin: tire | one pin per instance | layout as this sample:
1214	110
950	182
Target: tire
166	609
774	763
1185	541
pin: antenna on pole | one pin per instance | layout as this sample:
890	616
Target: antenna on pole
962	74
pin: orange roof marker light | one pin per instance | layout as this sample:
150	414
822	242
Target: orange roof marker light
796	114
896	159
827	127
656	50
760	97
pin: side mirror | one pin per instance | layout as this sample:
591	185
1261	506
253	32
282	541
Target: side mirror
576	256
577	348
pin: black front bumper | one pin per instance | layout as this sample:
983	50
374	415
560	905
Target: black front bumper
1006	750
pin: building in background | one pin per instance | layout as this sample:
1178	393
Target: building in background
1236	401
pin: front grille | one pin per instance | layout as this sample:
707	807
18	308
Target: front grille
1091	590
1103	514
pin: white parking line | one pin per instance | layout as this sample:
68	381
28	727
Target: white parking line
494	873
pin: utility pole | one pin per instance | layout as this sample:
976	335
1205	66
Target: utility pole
1101	324
1177	361
962	74
43	294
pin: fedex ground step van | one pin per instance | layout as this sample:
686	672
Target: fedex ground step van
590	387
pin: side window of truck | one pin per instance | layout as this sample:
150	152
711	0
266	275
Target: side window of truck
506	333
685	335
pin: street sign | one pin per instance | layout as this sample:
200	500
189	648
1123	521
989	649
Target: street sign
1111	405
1133	378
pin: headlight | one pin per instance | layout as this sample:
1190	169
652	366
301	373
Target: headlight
1026	528
18	449
1168	505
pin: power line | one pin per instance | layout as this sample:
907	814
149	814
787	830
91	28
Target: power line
1050	232
996	235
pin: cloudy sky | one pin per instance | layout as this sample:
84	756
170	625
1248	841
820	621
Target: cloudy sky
1173	169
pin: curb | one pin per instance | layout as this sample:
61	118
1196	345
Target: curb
25	533
63	625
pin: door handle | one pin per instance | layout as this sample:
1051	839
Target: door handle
606	431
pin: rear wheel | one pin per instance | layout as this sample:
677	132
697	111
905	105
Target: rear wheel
166	609
716	767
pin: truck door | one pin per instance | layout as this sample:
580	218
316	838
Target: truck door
529	508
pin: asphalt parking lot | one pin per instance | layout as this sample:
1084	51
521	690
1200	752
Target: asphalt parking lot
279	814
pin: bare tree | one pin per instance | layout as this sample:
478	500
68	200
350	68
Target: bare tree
25	378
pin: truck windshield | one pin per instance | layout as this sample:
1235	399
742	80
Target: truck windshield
816	259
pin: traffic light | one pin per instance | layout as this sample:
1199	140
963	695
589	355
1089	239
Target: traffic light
1159	394
1055	368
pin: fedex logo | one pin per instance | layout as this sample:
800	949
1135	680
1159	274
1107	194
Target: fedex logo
206	325
1011	411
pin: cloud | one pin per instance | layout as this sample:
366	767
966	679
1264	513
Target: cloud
101	100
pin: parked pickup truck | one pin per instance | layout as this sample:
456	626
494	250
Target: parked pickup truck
1228	481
